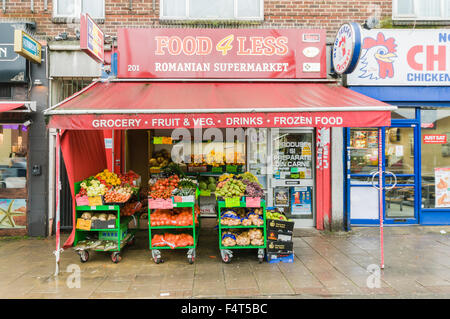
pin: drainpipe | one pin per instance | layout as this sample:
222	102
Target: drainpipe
45	5
4	6
32	6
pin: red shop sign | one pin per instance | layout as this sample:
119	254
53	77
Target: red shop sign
221	53
435	139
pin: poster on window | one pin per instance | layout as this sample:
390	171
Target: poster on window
301	201
13	213
442	186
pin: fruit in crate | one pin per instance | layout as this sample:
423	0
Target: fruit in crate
118	194
164	187
276	215
230	188
159	159
253	189
128	178
93	187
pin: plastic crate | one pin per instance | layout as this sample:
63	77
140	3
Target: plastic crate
113	235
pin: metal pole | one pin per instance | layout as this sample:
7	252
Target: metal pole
4	6
57	196
380	194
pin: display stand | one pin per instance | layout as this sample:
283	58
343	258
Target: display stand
156	253
119	233
226	251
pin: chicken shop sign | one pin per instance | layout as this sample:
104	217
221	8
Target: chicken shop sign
221	53
403	57
347	48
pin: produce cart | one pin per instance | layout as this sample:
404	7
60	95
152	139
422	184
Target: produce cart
166	221
114	232
231	232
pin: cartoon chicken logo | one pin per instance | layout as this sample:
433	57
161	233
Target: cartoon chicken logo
377	57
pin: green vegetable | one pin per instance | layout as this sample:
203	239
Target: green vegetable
202	186
212	187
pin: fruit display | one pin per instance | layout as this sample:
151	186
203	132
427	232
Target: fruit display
207	183
172	240
242	216
253	237
108	178
230	188
97	216
253	189
118	194
272	214
105	245
173	217
163	187
247	176
159	159
130	178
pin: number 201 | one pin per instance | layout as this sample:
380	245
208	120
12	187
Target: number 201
133	67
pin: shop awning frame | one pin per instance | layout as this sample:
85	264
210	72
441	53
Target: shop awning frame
17	106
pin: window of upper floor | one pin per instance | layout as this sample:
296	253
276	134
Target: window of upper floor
246	10
421	10
74	8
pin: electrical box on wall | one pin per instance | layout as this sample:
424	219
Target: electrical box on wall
36	170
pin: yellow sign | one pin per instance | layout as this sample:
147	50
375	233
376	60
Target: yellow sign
27	47
83	224
95	201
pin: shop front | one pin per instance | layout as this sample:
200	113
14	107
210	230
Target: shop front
408	69
214	102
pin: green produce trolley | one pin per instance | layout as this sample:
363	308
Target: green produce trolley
226	251
119	233
156	251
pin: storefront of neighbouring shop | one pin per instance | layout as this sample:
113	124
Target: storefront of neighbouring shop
22	91
203	103
409	69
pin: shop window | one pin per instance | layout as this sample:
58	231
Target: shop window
73	8
404	113
435	141
212	10
363	151
63	88
13	156
5	91
426	10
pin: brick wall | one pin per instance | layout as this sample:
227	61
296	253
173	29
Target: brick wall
328	14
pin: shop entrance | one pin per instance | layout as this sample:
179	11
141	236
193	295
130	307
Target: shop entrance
291	174
399	161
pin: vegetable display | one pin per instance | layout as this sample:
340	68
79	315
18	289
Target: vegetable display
118	194
252	237
242	216
175	217
164	187
172	240
109	178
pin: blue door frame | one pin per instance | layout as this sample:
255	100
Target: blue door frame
415	123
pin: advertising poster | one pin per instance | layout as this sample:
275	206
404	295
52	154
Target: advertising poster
442	186
281	196
13	213
301	201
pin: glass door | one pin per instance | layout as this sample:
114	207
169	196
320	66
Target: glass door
291	174
399	180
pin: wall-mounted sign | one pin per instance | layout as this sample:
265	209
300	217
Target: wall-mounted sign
403	57
221	53
435	139
442	186
12	65
91	38
26	46
347	48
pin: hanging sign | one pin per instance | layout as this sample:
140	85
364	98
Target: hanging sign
403	57
91	38
26	46
442	186
221	53
347	48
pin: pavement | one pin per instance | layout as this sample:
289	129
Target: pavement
326	265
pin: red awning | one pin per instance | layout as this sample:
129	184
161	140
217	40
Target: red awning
5	107
145	105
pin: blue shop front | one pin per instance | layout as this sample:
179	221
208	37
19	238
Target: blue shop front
409	69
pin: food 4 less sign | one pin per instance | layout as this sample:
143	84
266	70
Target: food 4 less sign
221	53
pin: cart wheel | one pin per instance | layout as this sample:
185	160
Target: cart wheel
131	242
158	260
115	257
84	256
191	259
260	259
226	259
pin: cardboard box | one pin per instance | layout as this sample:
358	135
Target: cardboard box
281	226
273	258
280	247
275	235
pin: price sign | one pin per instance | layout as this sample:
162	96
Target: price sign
84	224
205	193
233	202
160	203
231	168
82	201
217	169
157	140
253	201
166	140
95	201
